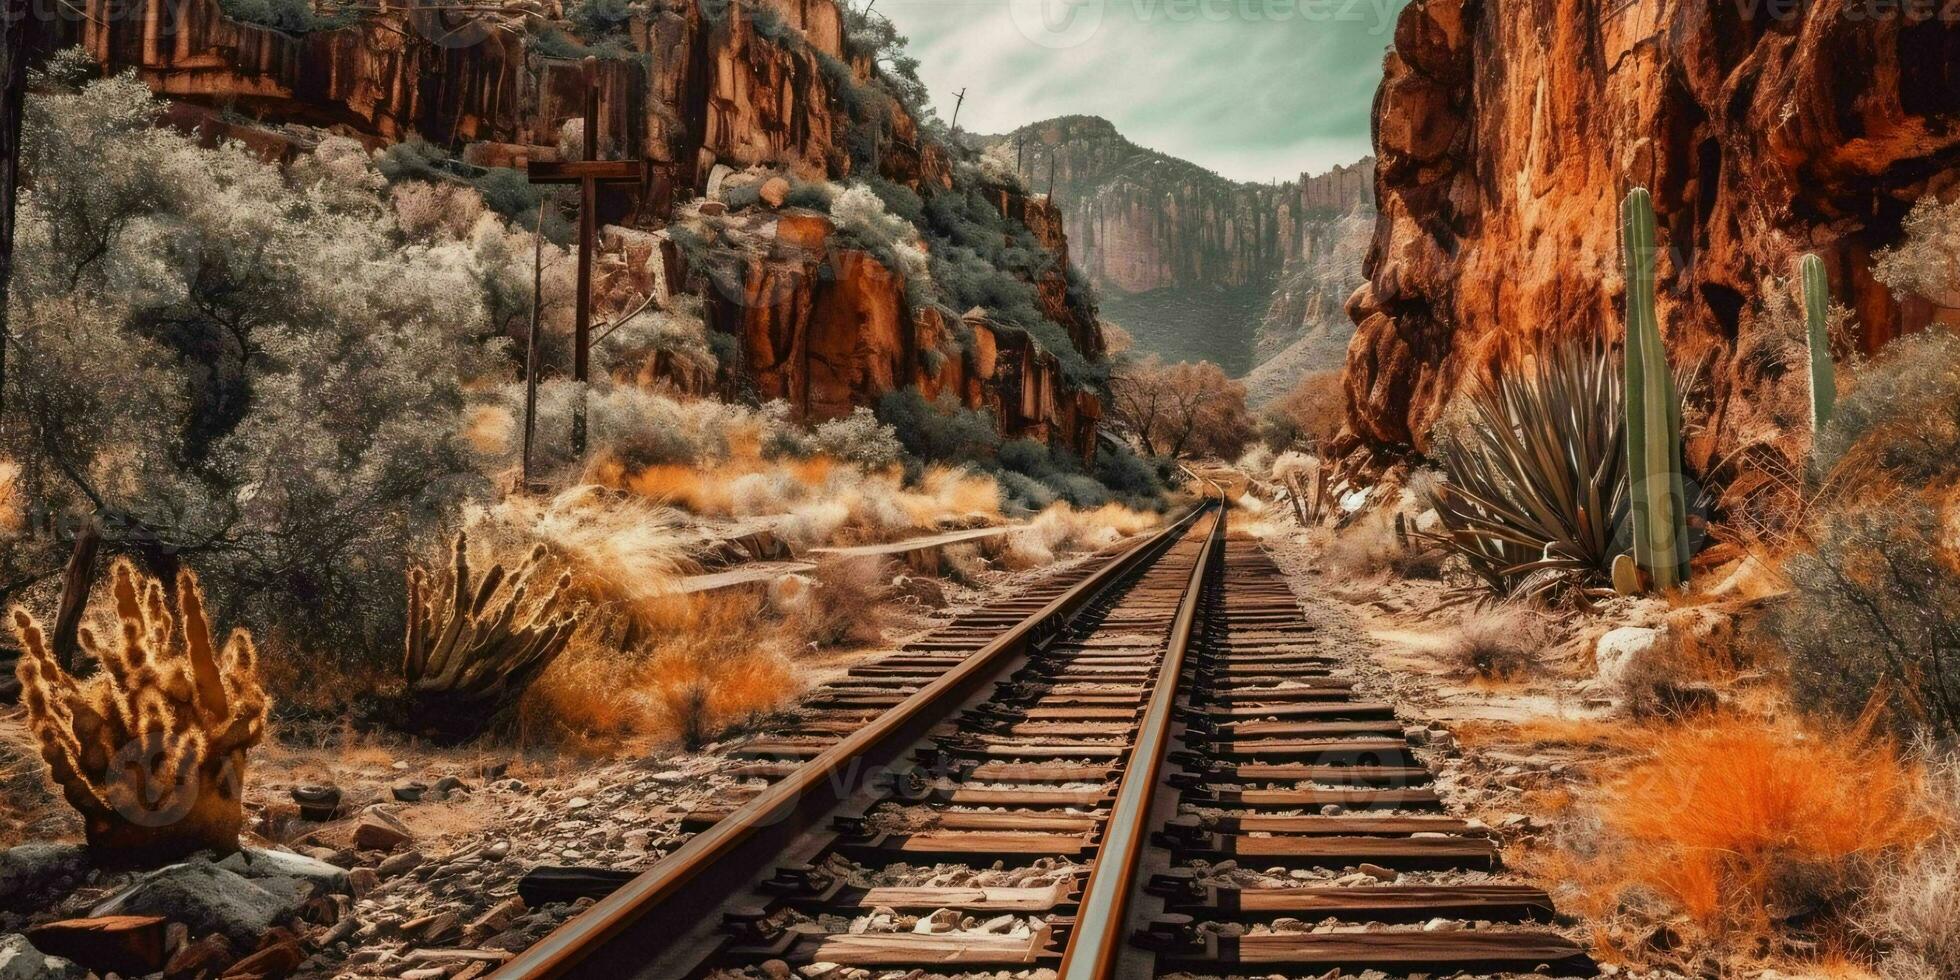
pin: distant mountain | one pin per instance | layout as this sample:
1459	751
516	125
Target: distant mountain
1196	265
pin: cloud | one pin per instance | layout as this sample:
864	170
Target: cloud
1255	89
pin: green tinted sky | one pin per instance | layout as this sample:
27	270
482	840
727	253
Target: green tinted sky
1254	89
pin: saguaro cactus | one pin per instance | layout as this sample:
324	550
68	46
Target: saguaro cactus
151	750
1660	530
1817	331
467	659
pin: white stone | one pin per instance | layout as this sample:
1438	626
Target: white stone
1622	653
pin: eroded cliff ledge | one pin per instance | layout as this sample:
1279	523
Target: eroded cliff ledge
1508	131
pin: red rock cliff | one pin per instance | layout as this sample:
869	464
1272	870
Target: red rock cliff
1508	131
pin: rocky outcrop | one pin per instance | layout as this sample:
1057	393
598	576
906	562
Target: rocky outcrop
1194	264
1507	137
827	328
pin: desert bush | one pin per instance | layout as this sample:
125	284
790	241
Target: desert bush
1308	416
1928	260
1366	549
1874	611
943	431
843	603
1874	605
1496	643
151	749
858	438
1748	827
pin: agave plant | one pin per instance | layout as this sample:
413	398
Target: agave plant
1536	489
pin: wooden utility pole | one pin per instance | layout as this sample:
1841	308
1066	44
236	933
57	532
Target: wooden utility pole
20	25
1020	154
531	345
588	174
959	99
1051	173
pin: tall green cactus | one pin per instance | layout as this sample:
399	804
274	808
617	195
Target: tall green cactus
1659	502
1817	330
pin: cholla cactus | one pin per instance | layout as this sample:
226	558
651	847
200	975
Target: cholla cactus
150	750
467	660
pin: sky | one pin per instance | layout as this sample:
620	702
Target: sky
1254	89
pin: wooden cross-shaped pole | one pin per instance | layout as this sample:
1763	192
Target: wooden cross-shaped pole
588	174
959	99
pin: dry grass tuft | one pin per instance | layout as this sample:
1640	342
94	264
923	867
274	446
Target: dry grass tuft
842	605
713	660
1913	909
1498	643
817	500
1749	826
624	553
1061	529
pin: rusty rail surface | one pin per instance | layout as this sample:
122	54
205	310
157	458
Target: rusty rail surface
1097	941
634	931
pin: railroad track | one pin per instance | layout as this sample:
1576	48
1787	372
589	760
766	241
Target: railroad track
1155	769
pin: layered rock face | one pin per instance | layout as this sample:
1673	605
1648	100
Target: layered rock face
1196	265
826	328
1508	132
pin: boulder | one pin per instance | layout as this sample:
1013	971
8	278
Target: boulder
126	944
379	830
263	865
32	874
1625	654
210	899
19	960
801	229
774	192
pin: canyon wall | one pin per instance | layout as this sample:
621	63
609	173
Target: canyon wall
1195	265
1508	131
694	96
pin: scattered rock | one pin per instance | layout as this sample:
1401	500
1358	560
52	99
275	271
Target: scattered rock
379	830
128	944
19	960
408	791
1626	653
774	191
401	863
271	963
263	865
1377	872
32	874
206	957
208	899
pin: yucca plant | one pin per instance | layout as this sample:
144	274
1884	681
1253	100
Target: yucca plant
1536	490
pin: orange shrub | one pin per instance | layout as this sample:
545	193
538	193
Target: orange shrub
1740	822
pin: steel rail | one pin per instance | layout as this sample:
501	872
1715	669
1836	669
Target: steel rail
1096	942
626	932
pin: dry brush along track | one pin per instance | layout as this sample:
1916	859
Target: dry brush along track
1077	789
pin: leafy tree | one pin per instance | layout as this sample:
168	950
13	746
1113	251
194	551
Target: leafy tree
249	367
1180	411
